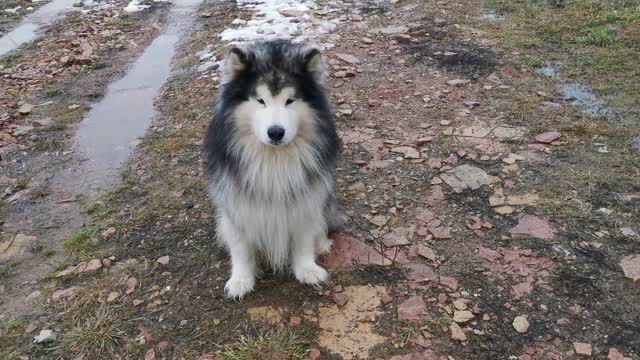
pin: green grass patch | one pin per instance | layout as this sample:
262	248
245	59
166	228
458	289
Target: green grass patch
79	243
600	36
267	346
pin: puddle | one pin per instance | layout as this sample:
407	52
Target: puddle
110	130
31	26
579	95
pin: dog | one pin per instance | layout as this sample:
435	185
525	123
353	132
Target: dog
271	152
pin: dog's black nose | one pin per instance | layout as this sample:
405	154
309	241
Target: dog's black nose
276	133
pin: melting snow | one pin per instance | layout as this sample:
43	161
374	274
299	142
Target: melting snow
135	6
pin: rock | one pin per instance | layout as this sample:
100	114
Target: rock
63	294
457	333
441	232
93	265
467	177
314	354
548	137
344	74
295	321
163	260
106	263
131	285
350	59
25	109
391	30
108	234
462	316
582	349
521	324
407	151
628	232
504	210
475	131
412	309
16	247
534	226
379	220
113	296
631	267
348	252
340	299
34	295
137	302
460	304
426	252
399	236
510	133
45	336
150	355
366	40
421	273
387	299
615	354
522	200
457	82
449	282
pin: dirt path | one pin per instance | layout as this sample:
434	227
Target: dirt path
493	213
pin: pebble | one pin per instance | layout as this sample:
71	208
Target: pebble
521	324
45	336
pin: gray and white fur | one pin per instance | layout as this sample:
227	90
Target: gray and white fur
271	156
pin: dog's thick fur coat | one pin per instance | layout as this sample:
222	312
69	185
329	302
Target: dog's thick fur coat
274	191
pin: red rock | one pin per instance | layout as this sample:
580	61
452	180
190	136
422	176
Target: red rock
488	254
457	333
449	282
441	232
412	309
314	354
442	298
163	260
534	226
563	321
295	321
474	223
421	273
396	238
522	290
347	252
340	299
548	137
387	299
631	267
582	349
420	340
131	285
108	234
163	345
348	58
614	354
150	355
92	266
425	215
137	302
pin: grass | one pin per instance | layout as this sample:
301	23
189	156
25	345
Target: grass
79	243
43	250
98	336
593	40
48	144
600	36
272	345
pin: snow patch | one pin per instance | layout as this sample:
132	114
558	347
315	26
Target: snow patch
135	6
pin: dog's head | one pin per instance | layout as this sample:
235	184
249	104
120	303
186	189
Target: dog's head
275	86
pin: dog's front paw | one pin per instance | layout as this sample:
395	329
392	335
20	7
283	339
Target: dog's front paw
311	274
239	286
323	246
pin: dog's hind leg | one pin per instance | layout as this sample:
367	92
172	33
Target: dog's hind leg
335	218
303	259
243	260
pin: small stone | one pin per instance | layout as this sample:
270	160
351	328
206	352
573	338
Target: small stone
521	324
534	226
548	137
460	304
582	349
628	232
631	267
350	59
457	333
449	282
467	177
25	109
457	82
163	260
504	210
426	252
615	354
340	299
113	296
106	263
314	354
462	316
45	336
366	40
108	234
131	285
137	302
295	321
63	294
412	309
408	152
93	265
387	299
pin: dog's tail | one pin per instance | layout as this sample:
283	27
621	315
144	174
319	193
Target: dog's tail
334	215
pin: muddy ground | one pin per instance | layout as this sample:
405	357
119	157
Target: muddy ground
492	216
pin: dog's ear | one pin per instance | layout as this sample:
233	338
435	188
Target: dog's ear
235	63
313	63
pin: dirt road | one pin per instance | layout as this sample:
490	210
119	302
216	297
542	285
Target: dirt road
489	170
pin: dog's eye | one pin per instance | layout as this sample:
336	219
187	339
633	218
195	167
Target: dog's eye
261	101
289	101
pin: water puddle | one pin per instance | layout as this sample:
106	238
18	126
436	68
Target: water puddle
110	130
580	95
32	25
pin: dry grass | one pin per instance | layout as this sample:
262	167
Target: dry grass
274	345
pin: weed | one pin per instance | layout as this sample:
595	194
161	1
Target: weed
99	336
79	243
48	144
600	36
268	346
